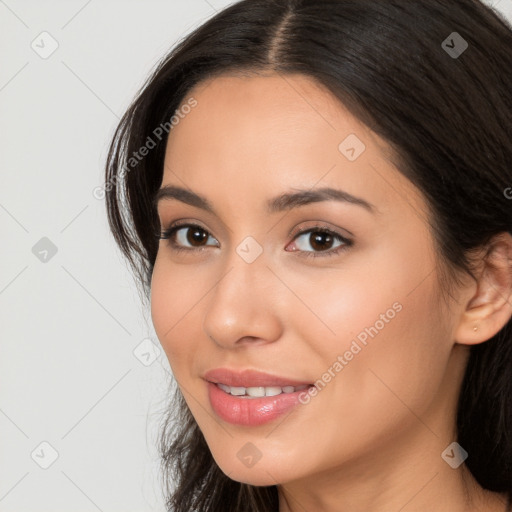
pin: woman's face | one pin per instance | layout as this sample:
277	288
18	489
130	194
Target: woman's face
260	285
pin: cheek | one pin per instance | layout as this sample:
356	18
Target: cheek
403	368
380	329
171	300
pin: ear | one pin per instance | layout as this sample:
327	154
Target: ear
488	304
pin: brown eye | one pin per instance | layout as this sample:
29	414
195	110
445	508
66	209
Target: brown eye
190	237
321	241
186	236
194	235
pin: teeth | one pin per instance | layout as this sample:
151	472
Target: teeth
225	388
255	391
259	391
273	391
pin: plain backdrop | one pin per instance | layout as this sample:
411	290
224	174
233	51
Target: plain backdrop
82	380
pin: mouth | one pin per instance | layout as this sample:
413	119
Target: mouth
251	398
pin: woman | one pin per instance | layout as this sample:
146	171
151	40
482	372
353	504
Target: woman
316	197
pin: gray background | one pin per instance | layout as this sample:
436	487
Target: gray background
80	367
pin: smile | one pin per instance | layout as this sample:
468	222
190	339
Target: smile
250	397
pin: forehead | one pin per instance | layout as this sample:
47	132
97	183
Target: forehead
259	134
292	107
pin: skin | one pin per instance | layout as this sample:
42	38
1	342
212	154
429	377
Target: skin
372	438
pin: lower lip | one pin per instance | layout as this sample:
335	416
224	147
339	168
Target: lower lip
251	412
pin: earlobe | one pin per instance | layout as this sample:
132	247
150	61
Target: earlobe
490	307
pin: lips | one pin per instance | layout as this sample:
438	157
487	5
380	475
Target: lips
250	379
250	398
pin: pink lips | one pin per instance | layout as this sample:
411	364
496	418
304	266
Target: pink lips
248	378
250	411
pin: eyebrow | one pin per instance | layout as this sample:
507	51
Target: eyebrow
283	202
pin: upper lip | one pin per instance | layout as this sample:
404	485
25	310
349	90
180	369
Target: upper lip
249	378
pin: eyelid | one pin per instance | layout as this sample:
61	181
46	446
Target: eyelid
180	224
320	225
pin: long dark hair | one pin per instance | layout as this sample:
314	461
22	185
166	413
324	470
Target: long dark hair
444	108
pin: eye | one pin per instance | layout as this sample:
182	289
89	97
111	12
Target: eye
191	237
320	239
180	235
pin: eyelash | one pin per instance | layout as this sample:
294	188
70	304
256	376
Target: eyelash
169	233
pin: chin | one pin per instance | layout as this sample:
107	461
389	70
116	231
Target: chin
252	476
249	466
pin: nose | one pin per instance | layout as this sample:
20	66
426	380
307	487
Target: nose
243	307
